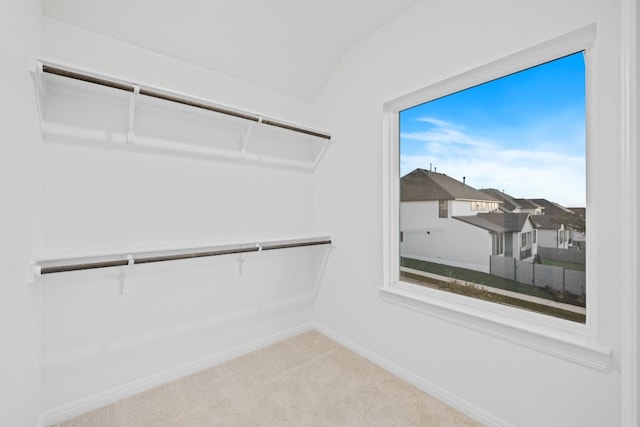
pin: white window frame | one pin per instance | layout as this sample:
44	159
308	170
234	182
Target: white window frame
570	340
441	203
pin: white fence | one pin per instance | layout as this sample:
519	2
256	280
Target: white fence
557	278
563	255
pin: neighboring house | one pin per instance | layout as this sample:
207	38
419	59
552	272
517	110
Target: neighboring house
529	206
558	226
551	233
450	196
512	204
512	235
551	208
572	219
430	202
446	221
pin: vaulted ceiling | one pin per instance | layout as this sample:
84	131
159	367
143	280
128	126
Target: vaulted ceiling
290	46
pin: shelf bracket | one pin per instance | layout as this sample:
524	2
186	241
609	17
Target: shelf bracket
247	135
33	271
322	152
131	135
125	272
323	267
38	76
40	90
241	264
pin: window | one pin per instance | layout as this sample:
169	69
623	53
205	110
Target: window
498	245
500	147
482	206
572	340
443	211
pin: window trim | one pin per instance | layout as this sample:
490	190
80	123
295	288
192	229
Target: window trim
443	213
569	340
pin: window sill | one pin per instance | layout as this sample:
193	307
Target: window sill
570	342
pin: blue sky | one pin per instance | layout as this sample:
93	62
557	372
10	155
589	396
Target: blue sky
524	133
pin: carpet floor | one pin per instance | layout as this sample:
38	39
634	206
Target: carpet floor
307	380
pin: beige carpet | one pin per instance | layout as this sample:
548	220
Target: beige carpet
307	380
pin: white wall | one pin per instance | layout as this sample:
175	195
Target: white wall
98	344
91	331
548	238
429	43
20	216
442	240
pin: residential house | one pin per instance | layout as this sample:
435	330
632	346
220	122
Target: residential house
572	221
446	221
512	204
555	223
551	233
513	235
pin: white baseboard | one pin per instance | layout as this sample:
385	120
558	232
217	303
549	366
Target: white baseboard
107	397
434	390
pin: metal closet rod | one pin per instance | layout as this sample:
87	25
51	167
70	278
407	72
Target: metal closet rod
172	98
162	258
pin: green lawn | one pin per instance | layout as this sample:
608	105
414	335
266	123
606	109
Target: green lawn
486	280
567	265
475	277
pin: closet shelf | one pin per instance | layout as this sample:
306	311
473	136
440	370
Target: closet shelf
119	106
48	264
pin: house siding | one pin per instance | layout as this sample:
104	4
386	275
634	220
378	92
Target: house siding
445	241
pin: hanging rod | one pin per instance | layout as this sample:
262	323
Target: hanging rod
132	259
179	100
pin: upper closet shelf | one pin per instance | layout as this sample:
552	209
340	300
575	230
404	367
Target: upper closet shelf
77	106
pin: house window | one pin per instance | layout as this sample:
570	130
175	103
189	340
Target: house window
490	123
443	211
478	206
498	243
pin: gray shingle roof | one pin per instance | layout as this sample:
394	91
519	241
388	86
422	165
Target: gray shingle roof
478	221
528	204
545	222
551	208
498	222
422	185
508	202
579	211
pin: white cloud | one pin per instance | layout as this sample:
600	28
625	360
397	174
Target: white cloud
520	172
446	133
438	122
